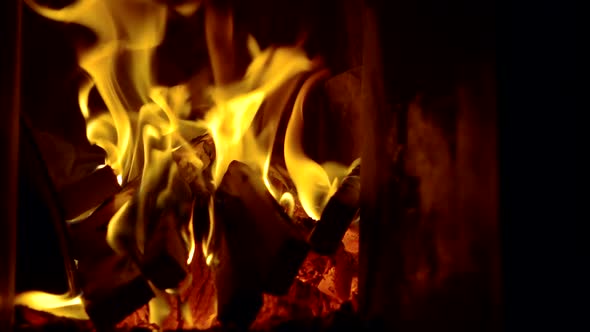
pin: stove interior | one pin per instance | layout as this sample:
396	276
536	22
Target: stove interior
196	165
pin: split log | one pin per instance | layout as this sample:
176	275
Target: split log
258	248
337	215
197	173
164	260
149	229
88	236
112	285
165	214
76	198
165	255
113	288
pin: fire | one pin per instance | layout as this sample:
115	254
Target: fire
144	123
59	305
229	122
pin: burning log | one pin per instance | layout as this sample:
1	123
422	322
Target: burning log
112	285
194	163
337	216
259	249
194	166
103	183
153	227
165	258
149	229
88	236
113	288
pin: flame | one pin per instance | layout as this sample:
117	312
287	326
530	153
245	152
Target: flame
144	123
312	181
287	201
189	238
119	67
159	308
230	121
59	305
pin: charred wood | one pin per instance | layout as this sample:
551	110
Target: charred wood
195	162
113	288
259	249
163	259
112	285
337	216
76	197
150	228
88	236
244	188
194	166
165	255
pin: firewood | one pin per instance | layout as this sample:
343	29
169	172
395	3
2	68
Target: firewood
337	216
88	235
112	285
76	197
163	260
259	250
150	230
195	162
113	288
197	173
239	294
165	256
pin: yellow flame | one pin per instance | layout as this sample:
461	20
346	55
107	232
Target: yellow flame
59	305
230	121
311	180
127	32
287	201
190	239
83	98
117	226
143	123
158	307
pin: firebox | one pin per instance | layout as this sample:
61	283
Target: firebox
251	165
